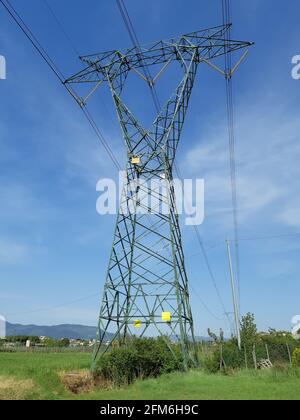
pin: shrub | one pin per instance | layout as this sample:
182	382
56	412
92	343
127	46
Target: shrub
276	345
140	358
296	358
211	363
233	358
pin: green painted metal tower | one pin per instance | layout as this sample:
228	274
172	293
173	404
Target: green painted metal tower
146	290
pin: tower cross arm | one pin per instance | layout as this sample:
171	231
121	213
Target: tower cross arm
208	45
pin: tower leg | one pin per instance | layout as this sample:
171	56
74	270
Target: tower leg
146	277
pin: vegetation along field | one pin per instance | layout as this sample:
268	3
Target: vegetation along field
40	376
266	367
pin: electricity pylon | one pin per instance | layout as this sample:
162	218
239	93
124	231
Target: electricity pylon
146	289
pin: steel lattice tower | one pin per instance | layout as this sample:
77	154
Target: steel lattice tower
146	275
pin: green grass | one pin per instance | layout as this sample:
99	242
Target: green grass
43	371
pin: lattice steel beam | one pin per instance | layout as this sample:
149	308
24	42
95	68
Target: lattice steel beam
146	274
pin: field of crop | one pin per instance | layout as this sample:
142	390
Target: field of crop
38	376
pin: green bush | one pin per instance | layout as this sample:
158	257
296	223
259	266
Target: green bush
211	363
140	358
296	358
232	358
276	345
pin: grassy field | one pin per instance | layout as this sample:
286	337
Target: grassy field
37	376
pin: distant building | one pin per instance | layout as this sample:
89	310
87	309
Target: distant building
77	342
10	345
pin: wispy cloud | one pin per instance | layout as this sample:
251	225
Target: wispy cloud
291	216
267	154
12	253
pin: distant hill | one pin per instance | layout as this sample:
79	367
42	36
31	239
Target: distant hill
70	331
56	331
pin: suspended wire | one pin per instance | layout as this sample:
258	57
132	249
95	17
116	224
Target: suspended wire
258	238
249	239
208	310
99	134
72	302
205	256
86	112
211	274
134	39
226	12
263	238
50	308
207	263
89	297
36	44
60	25
49	61
136	43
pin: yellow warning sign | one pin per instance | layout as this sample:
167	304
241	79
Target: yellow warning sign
135	160
166	316
137	323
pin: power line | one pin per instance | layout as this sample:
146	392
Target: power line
204	253
204	305
135	41
263	238
211	274
99	134
72	302
249	239
50	308
133	36
60	25
86	112
36	44
226	11
68	303
49	61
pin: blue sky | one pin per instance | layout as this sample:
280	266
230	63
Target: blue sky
54	248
